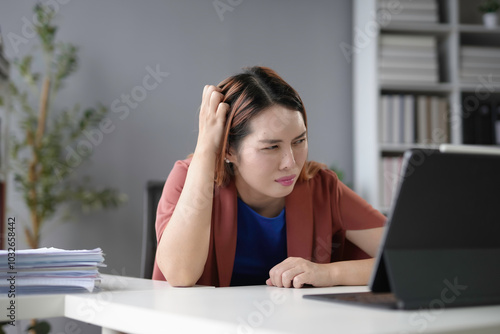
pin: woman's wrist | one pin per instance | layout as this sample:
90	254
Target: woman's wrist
354	272
205	154
206	151
334	273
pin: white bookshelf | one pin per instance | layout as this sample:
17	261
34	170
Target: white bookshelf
459	24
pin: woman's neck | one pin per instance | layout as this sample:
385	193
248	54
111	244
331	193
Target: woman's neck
267	207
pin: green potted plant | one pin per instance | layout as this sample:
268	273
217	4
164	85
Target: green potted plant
38	161
489	9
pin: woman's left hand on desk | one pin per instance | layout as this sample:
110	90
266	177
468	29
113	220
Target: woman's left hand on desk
296	272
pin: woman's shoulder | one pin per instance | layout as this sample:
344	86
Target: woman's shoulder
184	163
179	170
316	172
319	179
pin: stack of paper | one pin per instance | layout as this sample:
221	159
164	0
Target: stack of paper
409	11
49	270
409	59
480	64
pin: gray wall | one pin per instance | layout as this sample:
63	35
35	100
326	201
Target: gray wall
119	39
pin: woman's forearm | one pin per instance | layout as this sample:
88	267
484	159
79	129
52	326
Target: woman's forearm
356	272
183	248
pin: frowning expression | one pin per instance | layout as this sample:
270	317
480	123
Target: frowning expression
269	159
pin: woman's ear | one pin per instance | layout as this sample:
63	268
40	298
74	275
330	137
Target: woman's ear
230	156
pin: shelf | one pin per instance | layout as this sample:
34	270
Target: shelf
481	87
477	29
435	29
417	87
401	148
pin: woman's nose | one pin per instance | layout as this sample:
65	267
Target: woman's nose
288	159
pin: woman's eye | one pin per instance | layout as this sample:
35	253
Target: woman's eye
300	141
271	147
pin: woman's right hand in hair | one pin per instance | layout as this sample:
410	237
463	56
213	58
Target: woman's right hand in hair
212	118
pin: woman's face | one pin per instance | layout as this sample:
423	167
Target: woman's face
269	160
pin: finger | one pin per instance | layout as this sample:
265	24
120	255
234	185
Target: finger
269	282
275	275
278	270
299	280
208	89
222	110
215	100
288	276
275	279
207	92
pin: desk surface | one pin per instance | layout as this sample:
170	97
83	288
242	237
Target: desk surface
142	306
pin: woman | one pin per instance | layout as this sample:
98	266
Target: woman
270	216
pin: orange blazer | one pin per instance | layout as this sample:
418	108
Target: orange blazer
317	211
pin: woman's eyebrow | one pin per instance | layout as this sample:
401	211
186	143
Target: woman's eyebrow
274	141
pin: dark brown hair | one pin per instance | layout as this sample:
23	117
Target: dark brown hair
249	93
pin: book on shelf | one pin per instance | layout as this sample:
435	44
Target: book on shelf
479	62
403	40
411	59
496	124
444	122
422	11
385	108
409	119
481	79
407	51
397	121
479	51
390	175
408	73
488	73
481	123
415	18
408	4
423	123
413	63
398	78
432	120
438	130
470	72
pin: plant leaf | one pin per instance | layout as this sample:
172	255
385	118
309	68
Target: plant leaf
41	327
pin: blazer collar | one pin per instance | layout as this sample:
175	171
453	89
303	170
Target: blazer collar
225	231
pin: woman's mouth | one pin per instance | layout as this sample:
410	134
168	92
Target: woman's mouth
286	180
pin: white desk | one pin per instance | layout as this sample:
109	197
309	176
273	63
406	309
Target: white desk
142	306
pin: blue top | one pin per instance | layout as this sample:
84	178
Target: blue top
260	245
